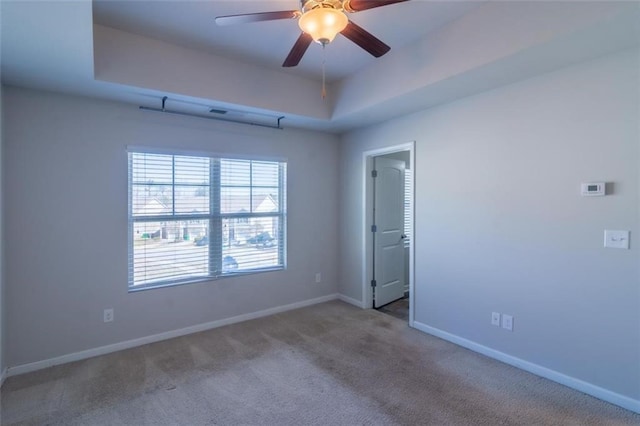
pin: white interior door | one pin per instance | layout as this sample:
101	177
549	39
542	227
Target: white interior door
388	216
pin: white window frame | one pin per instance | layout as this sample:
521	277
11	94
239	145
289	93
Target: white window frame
215	218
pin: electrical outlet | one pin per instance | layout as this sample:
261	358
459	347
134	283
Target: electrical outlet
108	315
616	239
507	322
318	277
495	318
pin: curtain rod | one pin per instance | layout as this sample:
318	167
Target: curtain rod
230	120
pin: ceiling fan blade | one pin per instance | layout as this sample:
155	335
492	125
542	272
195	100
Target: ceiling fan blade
256	17
365	39
297	51
359	5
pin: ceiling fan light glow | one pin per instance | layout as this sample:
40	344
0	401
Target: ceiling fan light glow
322	24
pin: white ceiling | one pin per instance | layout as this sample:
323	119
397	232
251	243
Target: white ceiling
139	51
191	24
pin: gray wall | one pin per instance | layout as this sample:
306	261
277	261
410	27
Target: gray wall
500	224
65	212
2	310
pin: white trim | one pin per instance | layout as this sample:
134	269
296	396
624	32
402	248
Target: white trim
102	350
367	207
351	301
412	242
148	149
547	373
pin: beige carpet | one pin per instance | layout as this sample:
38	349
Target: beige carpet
329	364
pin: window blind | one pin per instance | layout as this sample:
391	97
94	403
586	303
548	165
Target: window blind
194	218
408	212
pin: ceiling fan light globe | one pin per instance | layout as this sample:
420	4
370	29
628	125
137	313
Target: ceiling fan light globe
323	24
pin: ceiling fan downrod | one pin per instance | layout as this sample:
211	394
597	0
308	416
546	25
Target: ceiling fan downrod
323	93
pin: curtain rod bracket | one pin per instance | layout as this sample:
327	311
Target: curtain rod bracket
230	120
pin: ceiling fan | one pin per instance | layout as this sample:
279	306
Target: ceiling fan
321	21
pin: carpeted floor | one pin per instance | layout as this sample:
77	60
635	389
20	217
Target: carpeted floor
329	364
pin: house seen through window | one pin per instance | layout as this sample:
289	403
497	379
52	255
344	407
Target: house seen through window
195	218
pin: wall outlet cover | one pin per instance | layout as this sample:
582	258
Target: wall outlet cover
507	322
495	318
616	239
108	315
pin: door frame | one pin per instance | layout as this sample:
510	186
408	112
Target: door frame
367	216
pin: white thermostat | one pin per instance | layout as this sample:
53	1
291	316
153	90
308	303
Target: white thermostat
592	189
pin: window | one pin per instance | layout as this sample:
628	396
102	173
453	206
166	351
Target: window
408	197
196	218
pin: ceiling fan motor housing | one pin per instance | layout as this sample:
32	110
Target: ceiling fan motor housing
307	5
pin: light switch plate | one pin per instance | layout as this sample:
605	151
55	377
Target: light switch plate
616	239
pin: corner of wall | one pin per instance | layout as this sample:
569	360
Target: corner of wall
351	301
2	357
2	299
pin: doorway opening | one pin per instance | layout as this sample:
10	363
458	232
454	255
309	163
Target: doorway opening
388	244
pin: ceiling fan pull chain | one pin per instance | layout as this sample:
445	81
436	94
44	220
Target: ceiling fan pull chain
324	60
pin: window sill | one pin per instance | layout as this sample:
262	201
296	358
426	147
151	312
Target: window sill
138	288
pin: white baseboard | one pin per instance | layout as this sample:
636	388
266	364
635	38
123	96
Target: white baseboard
351	301
102	350
563	379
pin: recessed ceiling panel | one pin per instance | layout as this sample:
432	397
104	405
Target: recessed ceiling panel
192	24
